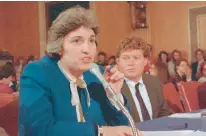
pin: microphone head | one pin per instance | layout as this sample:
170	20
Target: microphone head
93	65
94	69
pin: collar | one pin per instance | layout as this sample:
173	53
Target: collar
67	74
132	83
74	93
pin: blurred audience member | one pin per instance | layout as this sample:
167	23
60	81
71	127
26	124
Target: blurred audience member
163	57
199	53
176	55
19	64
111	60
30	59
150	60
101	59
36	58
202	72
183	71
6	75
160	70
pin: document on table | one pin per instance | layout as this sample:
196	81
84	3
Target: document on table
170	133
186	115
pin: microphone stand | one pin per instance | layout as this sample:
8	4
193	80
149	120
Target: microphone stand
122	107
95	70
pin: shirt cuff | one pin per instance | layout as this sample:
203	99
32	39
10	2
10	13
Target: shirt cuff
112	101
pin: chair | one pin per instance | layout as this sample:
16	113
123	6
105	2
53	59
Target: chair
188	95
9	113
172	97
201	91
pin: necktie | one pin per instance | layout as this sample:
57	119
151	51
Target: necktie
145	113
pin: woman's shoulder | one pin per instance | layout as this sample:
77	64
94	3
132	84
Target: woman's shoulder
39	70
43	64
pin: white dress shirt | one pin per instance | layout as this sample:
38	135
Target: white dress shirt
144	95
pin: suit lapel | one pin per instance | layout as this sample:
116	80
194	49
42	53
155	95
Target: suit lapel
127	93
149	86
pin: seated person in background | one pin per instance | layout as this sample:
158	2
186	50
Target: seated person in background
143	91
59	96
199	53
183	72
150	60
163	57
160	70
19	66
101	59
111	61
202	73
176	55
9	66
6	76
30	59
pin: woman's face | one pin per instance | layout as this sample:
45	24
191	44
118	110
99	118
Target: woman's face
200	56
164	57
176	56
204	71
21	61
79	49
111	61
183	67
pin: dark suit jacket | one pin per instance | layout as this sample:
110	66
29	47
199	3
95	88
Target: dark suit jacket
45	107
154	88
194	70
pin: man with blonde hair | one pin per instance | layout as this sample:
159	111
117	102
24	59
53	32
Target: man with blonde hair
143	91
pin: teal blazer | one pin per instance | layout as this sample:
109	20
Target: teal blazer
45	107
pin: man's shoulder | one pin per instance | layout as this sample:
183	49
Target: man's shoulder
149	77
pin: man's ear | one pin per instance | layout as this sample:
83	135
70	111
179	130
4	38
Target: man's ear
117	61
145	61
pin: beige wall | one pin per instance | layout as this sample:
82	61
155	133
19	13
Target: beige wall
114	19
19	32
170	25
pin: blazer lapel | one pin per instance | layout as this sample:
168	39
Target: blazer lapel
127	93
149	86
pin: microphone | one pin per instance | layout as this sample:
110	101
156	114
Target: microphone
94	69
